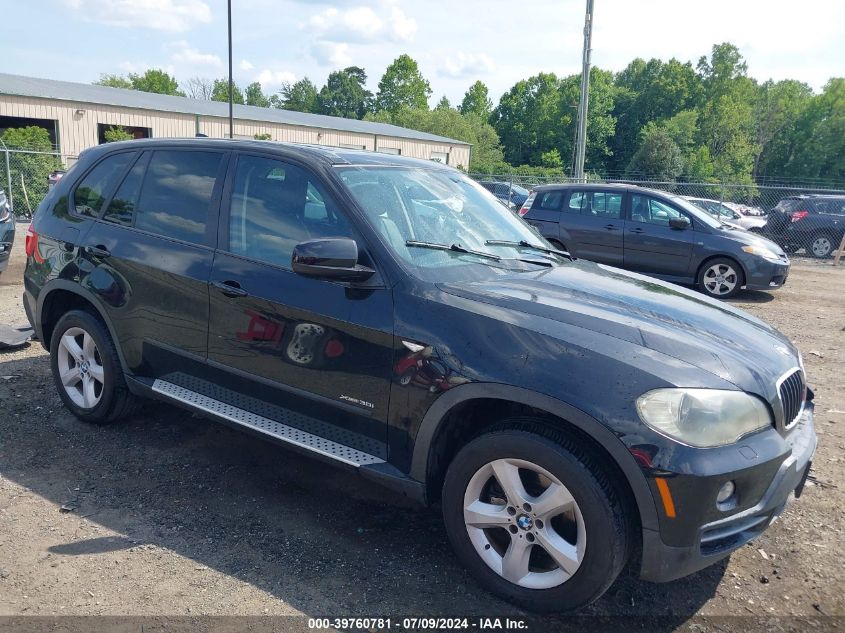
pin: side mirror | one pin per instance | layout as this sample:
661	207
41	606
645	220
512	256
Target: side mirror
329	258
680	223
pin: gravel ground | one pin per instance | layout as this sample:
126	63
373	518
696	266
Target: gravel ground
172	514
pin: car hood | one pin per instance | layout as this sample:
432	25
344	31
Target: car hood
703	332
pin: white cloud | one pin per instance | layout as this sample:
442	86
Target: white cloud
463	65
246	65
361	25
274	78
159	15
184	53
331	53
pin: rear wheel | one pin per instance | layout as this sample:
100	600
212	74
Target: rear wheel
535	518
821	245
87	371
721	278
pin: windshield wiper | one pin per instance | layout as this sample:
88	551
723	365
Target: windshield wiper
525	244
454	248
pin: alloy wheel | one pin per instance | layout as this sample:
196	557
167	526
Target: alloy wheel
720	279
81	368
524	523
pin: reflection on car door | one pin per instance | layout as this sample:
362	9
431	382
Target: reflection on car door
592	226
320	349
651	245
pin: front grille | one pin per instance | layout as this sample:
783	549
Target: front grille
791	393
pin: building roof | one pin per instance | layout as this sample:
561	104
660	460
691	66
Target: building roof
19	85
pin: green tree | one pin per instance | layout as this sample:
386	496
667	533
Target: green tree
402	85
156	80
345	94
820	145
778	108
530	120
300	96
658	157
601	123
114	81
487	154
254	96
117	133
262	136
477	100
649	91
220	92
443	104
551	159
30	168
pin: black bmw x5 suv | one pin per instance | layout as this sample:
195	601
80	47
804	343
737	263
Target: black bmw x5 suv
390	316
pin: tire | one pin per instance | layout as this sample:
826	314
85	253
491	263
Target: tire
593	532
94	356
821	245
720	278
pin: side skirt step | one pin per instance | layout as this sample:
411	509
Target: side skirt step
266	426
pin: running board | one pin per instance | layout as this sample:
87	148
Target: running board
266	426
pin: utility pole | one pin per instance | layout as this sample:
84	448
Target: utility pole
581	130
231	83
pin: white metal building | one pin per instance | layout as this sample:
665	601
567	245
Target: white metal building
77	116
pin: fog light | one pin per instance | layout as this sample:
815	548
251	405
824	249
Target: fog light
725	500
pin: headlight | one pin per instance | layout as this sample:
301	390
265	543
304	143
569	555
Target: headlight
703	417
761	251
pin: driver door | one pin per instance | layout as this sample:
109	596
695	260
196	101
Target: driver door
651	245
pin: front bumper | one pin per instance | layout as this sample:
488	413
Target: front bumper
767	276
709	542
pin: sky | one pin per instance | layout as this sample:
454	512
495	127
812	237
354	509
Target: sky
455	42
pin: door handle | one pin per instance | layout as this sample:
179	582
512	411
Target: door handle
230	288
98	251
637	230
611	227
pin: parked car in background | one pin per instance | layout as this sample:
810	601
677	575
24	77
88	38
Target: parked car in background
7	230
729	214
54	177
813	222
656	233
511	195
387	315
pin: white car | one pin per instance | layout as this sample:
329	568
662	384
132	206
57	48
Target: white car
728	213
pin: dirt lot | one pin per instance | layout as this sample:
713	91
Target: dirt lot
172	514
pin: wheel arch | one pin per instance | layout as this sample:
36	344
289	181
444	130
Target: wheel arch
62	293
437	420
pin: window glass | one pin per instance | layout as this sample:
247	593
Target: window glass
90	194
122	206
604	204
651	211
276	206
550	200
176	195
576	198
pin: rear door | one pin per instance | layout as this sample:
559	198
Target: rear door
592	225
149	256
315	354
651	245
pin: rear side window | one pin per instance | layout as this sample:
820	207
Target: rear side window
91	192
832	207
121	209
604	204
176	195
550	200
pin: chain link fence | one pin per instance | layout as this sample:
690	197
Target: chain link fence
25	174
806	220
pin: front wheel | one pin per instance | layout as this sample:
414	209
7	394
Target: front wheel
720	278
534	518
